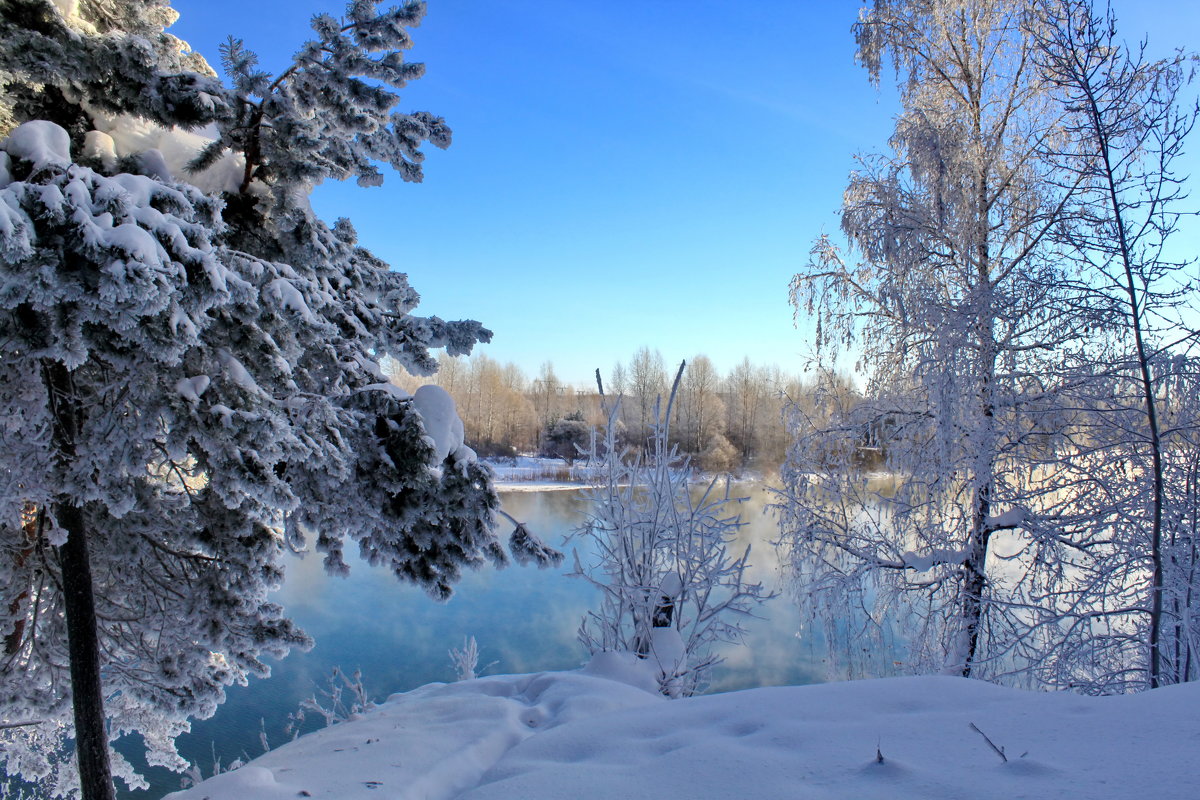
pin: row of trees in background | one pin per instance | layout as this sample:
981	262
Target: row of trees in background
1028	338
726	422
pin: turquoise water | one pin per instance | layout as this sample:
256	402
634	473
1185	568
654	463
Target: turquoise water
524	620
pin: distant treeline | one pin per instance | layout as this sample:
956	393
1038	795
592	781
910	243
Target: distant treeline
726	422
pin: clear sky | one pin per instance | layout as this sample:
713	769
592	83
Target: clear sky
622	174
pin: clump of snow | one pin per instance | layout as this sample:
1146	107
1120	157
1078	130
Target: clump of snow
237	372
190	389
669	654
391	388
1013	518
581	735
138	243
463	455
284	294
167	151
927	560
40	142
100	146
441	421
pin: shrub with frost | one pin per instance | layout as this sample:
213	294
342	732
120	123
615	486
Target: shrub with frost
660	554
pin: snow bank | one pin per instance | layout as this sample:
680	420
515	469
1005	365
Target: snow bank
583	735
539	473
434	742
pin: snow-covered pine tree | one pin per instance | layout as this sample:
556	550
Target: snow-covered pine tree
189	382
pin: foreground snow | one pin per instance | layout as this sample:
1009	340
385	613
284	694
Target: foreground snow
591	734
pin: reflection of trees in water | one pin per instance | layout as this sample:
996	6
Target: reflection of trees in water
1076	613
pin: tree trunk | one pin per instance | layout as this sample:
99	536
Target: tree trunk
87	699
973	589
33	521
975	581
1154	667
83	644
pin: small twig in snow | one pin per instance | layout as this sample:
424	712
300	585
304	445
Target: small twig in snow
991	744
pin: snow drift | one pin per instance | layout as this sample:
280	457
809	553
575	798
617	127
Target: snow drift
593	734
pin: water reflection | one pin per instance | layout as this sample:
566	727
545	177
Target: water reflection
524	619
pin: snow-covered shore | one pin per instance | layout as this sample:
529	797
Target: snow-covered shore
599	733
542	474
537	474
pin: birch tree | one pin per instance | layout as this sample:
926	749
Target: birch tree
647	383
746	388
701	410
945	292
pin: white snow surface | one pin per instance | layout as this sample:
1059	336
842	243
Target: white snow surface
590	734
40	142
528	473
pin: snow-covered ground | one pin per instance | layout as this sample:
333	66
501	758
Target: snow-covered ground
540	474
594	733
537	474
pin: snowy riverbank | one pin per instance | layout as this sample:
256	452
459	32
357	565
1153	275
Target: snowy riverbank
593	733
541	474
538	474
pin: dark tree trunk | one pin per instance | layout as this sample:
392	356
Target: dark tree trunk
79	605
87	699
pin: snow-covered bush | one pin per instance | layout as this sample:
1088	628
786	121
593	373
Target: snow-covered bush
566	438
670	588
465	660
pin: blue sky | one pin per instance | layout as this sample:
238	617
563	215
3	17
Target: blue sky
622	174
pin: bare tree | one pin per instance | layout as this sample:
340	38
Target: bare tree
701	410
547	394
746	389
1124	129
647	383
